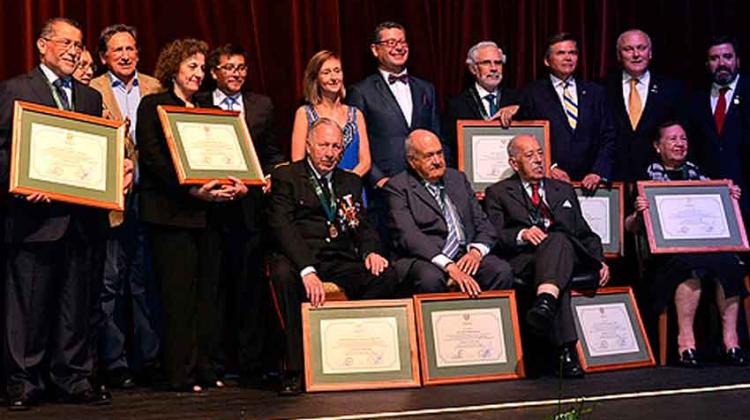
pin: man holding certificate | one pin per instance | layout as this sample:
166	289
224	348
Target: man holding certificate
544	236
319	225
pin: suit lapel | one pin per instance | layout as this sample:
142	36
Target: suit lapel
424	195
553	195
453	190
385	92
41	87
553	98
417	94
516	192
474	103
108	96
584	102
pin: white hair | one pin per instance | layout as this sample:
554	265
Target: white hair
471	56
637	31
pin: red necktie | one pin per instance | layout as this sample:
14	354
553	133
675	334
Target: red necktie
536	199
721	110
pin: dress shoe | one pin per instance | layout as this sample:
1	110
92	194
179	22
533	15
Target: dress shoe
689	358
735	357
21	403
540	316
292	385
567	365
102	396
120	378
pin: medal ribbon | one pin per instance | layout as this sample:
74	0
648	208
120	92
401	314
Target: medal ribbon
328	204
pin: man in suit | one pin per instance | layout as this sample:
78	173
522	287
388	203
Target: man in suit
55	251
582	135
544	236
319	225
127	274
640	101
394	103
485	99
720	119
439	229
243	281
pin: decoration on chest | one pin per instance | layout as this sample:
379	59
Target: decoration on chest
348	211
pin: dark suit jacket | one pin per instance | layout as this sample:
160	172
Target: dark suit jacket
665	101
416	222
28	222
297	222
467	105
725	155
588	149
386	126
508	207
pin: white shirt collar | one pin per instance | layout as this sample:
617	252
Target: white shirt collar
318	175
557	82
385	73
220	96
115	81
644	79
732	86
483	92
48	73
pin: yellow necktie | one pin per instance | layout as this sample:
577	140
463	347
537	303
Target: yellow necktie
634	104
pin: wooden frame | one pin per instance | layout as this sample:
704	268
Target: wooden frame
513	368
398	314
249	171
614	249
465	150
106	193
734	223
608	296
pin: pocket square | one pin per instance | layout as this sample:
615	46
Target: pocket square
567	204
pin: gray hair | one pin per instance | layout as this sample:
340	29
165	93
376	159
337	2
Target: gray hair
48	29
471	56
409	147
511	147
324	121
622	36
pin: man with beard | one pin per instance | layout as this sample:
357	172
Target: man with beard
721	119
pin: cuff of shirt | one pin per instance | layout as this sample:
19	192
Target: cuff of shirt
519	238
307	270
482	248
441	261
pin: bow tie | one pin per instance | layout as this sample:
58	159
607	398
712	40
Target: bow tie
404	78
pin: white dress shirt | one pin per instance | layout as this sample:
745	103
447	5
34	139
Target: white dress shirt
727	95
482	94
52	77
402	92
558	85
220	97
641	87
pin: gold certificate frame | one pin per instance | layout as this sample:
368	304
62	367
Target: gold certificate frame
207	144
69	156
354	345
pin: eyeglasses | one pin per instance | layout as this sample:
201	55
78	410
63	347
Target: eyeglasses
231	68
487	63
392	43
66	43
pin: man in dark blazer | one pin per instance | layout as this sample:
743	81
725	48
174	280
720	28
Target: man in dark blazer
439	230
393	103
638	111
319	226
582	134
55	251
720	119
243	286
484	99
544	236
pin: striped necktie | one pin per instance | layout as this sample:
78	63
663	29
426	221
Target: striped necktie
570	106
453	241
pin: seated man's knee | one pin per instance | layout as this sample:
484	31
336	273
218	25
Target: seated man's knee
428	278
282	272
556	242
500	273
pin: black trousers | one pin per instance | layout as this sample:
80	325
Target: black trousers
350	274
48	302
552	262
186	265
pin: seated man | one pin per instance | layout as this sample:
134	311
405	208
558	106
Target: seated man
544	236
680	275
439	229
318	223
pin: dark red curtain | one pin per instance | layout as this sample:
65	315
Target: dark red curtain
281	35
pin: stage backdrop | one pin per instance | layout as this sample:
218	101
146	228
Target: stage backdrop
281	35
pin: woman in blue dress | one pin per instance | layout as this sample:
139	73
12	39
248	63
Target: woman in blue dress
324	96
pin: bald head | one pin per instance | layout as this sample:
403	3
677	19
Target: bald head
424	153
526	157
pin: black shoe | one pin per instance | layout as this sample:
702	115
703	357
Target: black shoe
567	365
688	358
540	316
292	385
21	403
102	396
120	378
735	357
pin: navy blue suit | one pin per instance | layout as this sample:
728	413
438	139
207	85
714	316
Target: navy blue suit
587	149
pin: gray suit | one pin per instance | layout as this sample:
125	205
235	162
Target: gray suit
419	231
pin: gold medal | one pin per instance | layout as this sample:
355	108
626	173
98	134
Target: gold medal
332	231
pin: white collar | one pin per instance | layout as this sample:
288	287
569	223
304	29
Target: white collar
556	81
385	73
483	92
48	73
642	79
114	80
220	96
732	85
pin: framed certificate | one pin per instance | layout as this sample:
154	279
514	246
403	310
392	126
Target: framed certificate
360	345
610	331
603	210
483	149
692	216
464	339
71	157
207	144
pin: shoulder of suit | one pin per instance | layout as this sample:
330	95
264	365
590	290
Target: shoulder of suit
100	82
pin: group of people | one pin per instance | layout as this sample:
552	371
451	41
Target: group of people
369	202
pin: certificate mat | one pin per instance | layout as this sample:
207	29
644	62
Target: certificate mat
604	212
69	156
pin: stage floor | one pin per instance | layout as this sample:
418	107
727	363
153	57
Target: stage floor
714	392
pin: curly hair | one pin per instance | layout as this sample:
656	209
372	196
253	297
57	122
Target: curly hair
310	85
173	54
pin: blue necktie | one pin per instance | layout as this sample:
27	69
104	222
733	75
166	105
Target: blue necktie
453	241
491	98
229	102
59	84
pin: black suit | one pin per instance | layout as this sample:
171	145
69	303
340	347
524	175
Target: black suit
570	243
635	151
55	257
467	105
590	148
297	224
420	231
